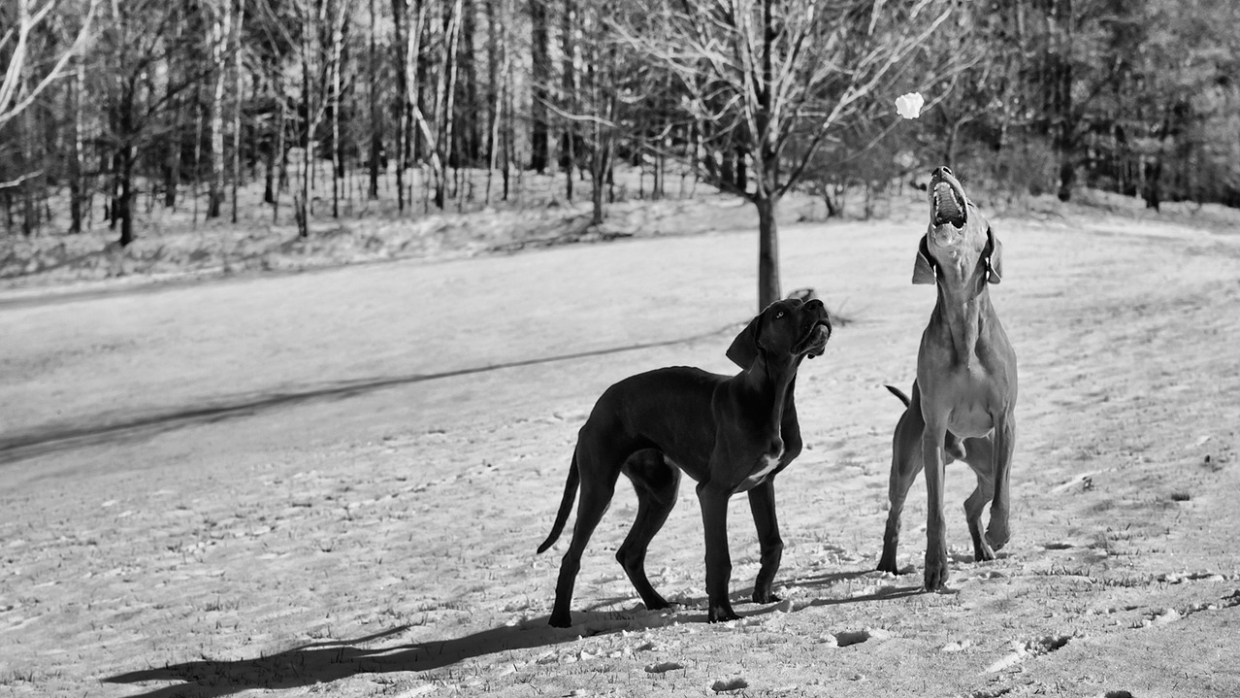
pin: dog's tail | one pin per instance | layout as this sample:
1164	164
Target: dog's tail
951	443
566	505
900	394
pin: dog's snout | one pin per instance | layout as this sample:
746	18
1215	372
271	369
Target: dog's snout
943	170
816	315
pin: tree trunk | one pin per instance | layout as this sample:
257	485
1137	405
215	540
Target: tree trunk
660	174
494	149
509	146
124	208
1151	191
376	138
1067	175
236	164
496	64
77	153
568	84
172	162
269	178
768	252
221	30
337	19
401	46
301	198
30	211
447	102
541	78
599	167
742	177
467	150
278	169
193	187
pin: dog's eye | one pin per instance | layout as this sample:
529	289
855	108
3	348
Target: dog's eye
779	314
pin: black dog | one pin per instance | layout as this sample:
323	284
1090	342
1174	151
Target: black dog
729	433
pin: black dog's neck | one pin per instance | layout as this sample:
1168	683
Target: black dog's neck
772	385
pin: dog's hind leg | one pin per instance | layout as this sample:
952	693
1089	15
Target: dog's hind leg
906	463
656	482
598	473
980	457
1004	439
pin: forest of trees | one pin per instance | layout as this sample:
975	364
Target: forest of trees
108	103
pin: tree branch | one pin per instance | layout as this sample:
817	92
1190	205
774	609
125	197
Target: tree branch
18	182
10	87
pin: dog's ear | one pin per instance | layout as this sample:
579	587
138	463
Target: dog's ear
993	256
923	268
744	349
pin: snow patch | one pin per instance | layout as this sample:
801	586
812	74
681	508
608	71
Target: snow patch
1032	648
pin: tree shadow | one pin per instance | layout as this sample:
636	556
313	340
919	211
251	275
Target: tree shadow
67	436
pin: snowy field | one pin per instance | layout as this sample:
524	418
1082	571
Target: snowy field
333	482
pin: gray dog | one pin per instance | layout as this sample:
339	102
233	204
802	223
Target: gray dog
965	393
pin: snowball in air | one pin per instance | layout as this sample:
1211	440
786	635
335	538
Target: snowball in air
909	105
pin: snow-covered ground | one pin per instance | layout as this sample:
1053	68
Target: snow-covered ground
333	482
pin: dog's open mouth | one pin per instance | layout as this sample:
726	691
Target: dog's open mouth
947	204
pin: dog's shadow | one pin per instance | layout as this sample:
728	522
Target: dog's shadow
325	662
740	596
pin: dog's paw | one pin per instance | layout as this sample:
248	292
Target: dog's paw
887	563
765	598
936	573
997	535
721	613
660	604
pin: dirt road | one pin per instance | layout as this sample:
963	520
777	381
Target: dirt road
334	482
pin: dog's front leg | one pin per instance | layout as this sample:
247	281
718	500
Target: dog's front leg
762	504
936	524
714	503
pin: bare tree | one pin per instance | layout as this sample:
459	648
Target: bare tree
139	89
220	33
760	74
541	78
591	104
376	134
314	105
568	87
236	164
497	70
409	17
13	98
23	81
338	18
